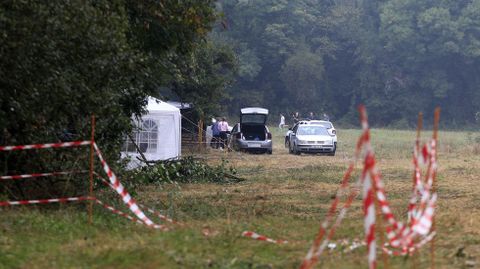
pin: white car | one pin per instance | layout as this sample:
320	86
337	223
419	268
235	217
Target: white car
327	124
311	138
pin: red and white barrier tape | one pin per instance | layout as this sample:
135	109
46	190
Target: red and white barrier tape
127	199
35	175
399	235
160	216
73	199
409	250
318	246
123	214
43	146
156	213
114	183
46	201
118	212
259	237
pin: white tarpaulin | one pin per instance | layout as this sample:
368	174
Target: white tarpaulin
158	134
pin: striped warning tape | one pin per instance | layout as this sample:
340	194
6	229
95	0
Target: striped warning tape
125	215
156	213
74	199
399	235
318	246
118	212
46	201
127	199
407	251
259	237
35	175
160	216
114	183
43	146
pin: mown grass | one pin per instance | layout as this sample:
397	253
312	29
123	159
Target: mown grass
284	196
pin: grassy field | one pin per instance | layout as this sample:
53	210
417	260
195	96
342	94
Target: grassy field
284	196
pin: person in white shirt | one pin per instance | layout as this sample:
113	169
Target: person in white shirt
282	121
223	127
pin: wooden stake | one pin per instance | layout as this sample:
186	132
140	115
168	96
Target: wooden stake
436	120
419	125
92	139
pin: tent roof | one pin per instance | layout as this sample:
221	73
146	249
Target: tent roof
157	105
180	105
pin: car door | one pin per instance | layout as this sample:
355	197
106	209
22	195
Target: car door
293	134
233	136
287	135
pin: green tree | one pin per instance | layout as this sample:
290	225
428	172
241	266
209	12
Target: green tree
302	75
63	61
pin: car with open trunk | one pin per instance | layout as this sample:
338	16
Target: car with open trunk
251	133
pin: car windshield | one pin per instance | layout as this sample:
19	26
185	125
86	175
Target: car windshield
312	130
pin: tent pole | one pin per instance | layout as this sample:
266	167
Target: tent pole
200	132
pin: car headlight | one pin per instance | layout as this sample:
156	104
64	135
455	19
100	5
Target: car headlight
302	142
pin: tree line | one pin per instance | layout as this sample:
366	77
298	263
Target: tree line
398	57
63	61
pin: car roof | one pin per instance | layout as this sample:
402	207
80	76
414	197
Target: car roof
314	122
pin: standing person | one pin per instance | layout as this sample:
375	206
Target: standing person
310	116
215	134
296	118
282	121
223	127
326	117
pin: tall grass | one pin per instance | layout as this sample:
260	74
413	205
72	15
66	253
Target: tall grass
284	197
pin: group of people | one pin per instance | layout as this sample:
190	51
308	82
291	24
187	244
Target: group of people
219	133
296	118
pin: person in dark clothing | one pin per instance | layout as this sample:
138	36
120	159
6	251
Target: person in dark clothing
326	117
311	116
296	117
215	143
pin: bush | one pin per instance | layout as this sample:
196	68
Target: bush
185	170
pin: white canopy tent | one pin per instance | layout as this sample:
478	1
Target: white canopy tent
158	134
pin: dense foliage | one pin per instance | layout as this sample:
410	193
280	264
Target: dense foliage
63	61
396	56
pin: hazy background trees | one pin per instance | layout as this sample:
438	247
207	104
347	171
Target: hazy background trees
396	56
63	61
